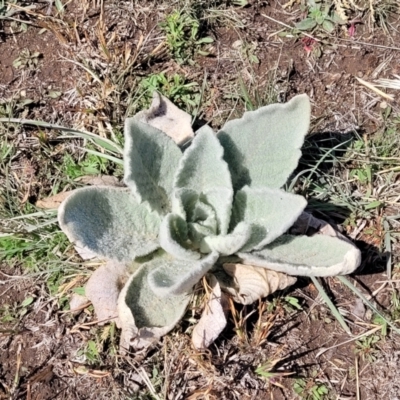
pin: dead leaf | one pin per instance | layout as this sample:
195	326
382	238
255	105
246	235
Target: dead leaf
253	283
85	253
100	180
213	318
53	202
309	225
103	289
131	336
168	118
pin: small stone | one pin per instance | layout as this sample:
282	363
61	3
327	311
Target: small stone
383	105
77	302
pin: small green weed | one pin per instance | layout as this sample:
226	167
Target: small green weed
293	303
321	15
33	249
288	304
90	165
90	353
378	320
184	94
183	36
103	337
366	348
249	52
267	371
9	313
26	59
309	389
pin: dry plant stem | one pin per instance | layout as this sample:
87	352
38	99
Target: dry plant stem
368	303
357	379
375	89
330	304
239	321
380	46
370	332
290	27
388	248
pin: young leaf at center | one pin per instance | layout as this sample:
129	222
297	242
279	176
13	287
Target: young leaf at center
203	170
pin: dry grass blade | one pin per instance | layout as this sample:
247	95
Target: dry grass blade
370	332
357	379
331	306
107	156
89	71
367	302
388	248
102	142
147	381
375	89
389	83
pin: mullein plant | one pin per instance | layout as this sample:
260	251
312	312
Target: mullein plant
216	209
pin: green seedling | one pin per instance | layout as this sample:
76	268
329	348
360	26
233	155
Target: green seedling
27	59
183	36
286	304
310	389
90	352
366	349
293	302
10	313
378	320
267	371
319	15
90	165
182	93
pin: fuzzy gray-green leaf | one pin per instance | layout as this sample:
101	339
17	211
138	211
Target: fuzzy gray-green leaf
174	237
270	212
318	255
170	276
203	170
228	244
151	159
263	147
139	302
109	222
